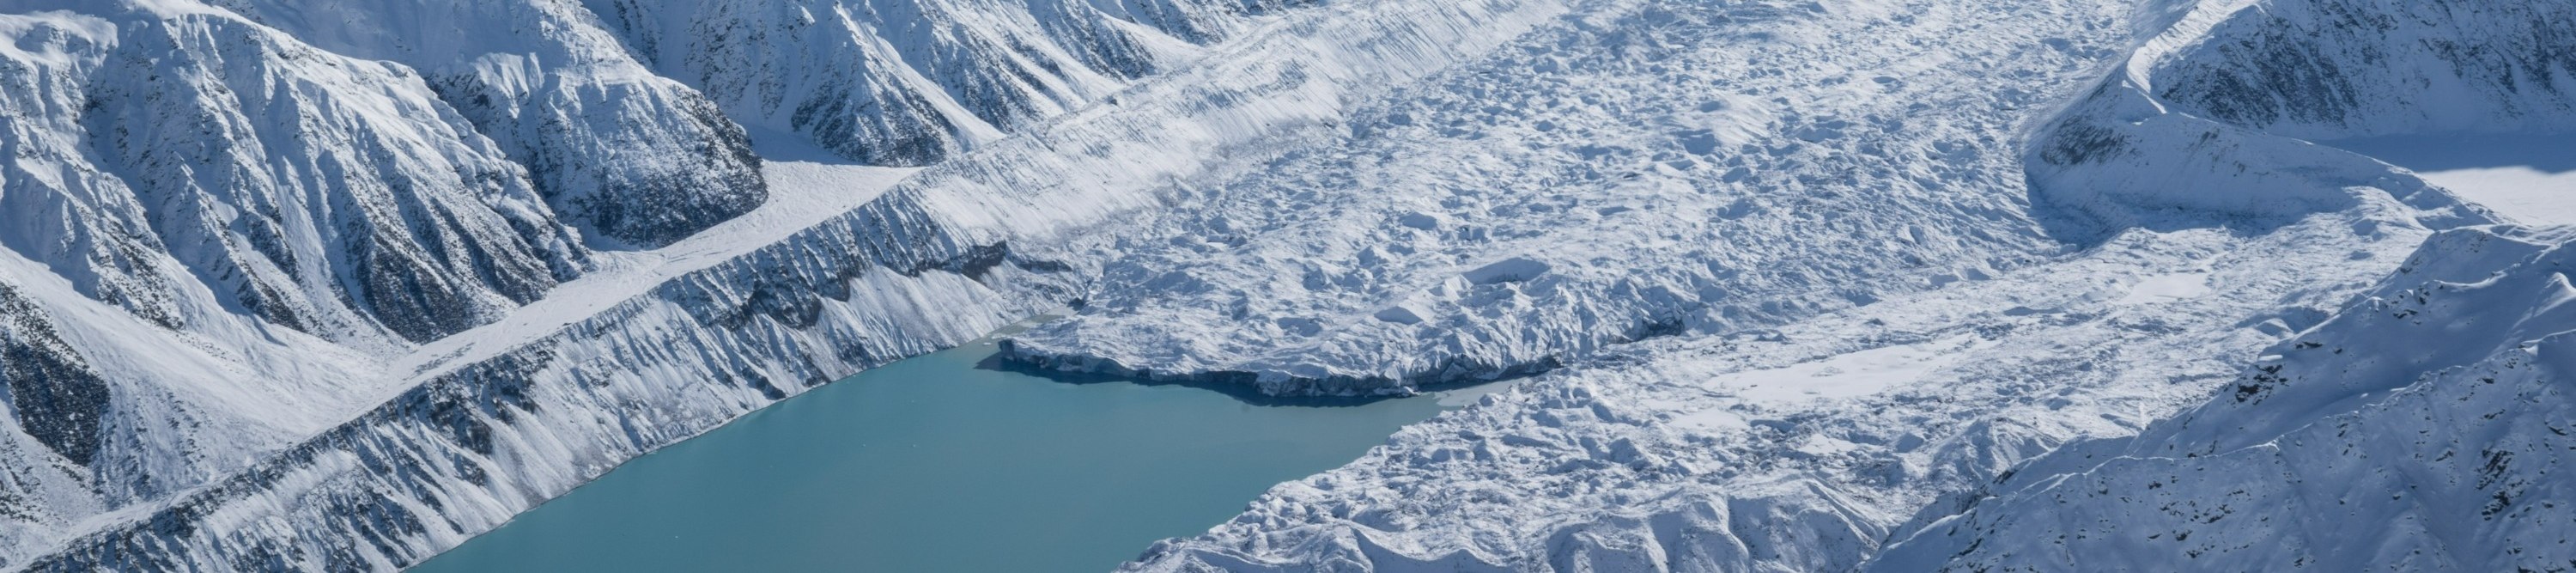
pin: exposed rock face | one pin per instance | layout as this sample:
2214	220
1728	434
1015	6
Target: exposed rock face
912	82
619	151
329	195
62	207
324	194
2331	68
465	450
2232	89
54	394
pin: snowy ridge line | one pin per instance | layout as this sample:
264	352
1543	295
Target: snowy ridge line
930	264
2361	443
918	81
807	195
618	151
463	451
2255	81
330	195
2422	428
323	210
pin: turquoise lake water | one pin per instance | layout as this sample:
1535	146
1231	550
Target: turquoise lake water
936	464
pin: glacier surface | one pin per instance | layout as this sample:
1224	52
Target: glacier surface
1780	285
2199	235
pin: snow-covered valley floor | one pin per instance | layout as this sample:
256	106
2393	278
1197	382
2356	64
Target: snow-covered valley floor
2526	177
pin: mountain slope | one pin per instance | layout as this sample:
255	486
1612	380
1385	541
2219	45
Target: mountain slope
335	285
914	82
210	226
620	151
73	214
2408	431
324	194
373	461
2419	429
244	238
327	195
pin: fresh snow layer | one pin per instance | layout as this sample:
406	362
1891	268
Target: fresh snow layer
803	194
2167	288
1853	374
2519	193
2523	194
2525	177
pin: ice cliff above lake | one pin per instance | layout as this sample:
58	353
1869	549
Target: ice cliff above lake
1888	284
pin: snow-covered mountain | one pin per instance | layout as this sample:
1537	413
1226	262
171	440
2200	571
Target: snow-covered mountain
235	230
2415	430
2421	429
913	82
328	195
621	152
209	222
336	284
226	440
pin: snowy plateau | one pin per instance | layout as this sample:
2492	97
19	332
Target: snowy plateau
1774	285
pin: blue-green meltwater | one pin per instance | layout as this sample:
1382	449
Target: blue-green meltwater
939	463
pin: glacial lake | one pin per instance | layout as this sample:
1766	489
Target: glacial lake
941	463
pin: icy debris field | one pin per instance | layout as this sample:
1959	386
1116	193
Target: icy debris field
1780	285
1639	170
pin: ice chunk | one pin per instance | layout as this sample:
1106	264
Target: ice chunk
1400	315
1511	270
